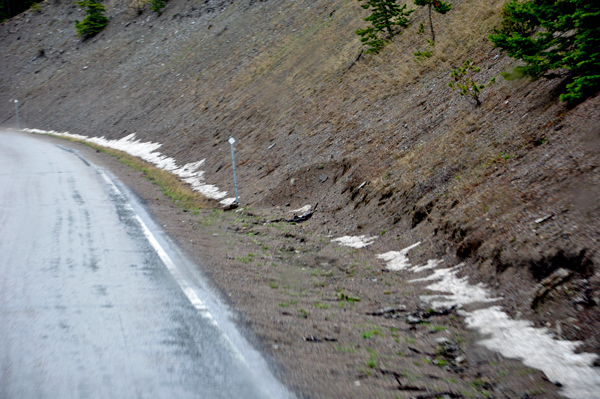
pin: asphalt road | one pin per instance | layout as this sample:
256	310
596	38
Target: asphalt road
95	302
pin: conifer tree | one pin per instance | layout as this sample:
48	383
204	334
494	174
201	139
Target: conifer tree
386	14
438	6
554	34
95	19
157	6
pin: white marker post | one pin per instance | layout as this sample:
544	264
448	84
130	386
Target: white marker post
17	109
231	141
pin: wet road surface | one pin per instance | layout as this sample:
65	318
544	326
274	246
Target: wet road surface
88	308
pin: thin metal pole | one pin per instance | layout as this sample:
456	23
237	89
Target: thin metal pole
237	199
17	109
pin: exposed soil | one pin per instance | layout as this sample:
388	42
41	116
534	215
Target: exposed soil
383	146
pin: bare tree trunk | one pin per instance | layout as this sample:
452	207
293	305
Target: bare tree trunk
431	25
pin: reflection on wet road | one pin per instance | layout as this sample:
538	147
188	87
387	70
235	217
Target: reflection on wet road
87	307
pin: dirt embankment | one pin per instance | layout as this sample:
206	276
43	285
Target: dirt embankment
332	320
380	142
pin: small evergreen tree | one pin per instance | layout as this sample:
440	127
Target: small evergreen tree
157	6
438	6
95	19
386	14
554	34
462	81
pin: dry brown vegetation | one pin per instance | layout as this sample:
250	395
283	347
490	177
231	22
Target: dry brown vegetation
171	186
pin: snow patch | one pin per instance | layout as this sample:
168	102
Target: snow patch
516	339
304	209
397	260
147	151
461	292
355	242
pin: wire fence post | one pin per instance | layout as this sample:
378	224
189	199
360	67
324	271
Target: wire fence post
17	109
237	199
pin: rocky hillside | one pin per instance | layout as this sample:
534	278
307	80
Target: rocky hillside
379	141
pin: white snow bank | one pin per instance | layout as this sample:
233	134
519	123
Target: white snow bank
355	242
189	173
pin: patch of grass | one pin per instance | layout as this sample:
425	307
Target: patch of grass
320	305
479	384
372	362
273	285
36	8
440	362
536	391
348	298
288	303
303	313
438	328
526	371
348	349
370	333
245	259
204	222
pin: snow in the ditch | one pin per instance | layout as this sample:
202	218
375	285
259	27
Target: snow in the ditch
536	347
147	151
461	292
397	260
354	241
516	339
